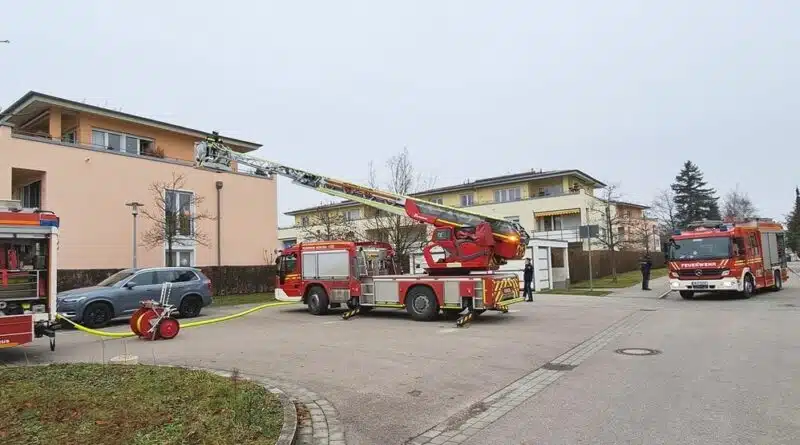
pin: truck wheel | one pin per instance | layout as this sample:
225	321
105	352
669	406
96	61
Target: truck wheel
778	283
317	301
421	304
687	294
748	287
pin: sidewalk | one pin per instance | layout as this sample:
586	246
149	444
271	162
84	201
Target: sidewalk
658	287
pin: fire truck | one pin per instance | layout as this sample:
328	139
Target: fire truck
28	248
364	275
742	256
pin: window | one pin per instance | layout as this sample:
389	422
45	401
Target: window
176	276
303	220
436	200
70	137
144	279
512	218
467	200
753	245
123	143
31	195
550	190
180	257
508	195
351	215
549	223
179	212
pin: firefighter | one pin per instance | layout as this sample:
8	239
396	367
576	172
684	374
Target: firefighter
646	265
527	277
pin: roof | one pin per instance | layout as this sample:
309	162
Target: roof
35	103
472	185
630	204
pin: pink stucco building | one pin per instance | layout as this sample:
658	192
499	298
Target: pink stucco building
85	163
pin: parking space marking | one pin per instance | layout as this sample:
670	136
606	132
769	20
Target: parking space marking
461	426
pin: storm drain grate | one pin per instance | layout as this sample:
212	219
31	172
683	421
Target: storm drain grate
637	351
558	367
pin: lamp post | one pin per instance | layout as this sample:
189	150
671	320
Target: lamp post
134	211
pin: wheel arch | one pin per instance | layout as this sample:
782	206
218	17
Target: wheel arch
415	286
102	300
310	286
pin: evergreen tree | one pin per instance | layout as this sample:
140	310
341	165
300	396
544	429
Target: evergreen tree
793	224
693	200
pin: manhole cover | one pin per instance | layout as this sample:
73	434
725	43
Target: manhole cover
637	351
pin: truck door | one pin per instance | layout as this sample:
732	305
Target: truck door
289	274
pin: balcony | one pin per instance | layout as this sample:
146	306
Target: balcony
569	234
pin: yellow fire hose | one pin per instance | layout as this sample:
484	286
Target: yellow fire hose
187	325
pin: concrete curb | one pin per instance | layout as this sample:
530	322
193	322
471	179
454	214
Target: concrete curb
289	428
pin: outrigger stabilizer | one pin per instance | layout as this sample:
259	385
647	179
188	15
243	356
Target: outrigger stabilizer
153	320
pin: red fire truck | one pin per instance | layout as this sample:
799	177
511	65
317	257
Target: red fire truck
364	275
741	256
28	247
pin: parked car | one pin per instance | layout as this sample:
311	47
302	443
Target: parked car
120	294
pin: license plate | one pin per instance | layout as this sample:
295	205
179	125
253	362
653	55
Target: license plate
700	284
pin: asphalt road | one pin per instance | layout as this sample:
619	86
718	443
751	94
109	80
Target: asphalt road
726	373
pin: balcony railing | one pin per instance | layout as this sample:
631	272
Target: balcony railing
570	234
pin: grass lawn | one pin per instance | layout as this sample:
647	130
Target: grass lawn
230	300
133	404
626	279
591	293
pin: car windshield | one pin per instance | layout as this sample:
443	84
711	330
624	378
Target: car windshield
701	248
116	278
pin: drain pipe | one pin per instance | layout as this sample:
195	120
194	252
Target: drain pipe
219	223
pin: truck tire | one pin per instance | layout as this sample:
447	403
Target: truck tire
317	300
778	282
748	287
687	294
421	303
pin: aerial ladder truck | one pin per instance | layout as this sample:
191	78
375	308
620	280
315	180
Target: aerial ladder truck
363	275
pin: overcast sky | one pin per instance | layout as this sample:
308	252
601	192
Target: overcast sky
624	90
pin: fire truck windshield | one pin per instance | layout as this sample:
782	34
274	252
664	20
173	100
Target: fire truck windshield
701	248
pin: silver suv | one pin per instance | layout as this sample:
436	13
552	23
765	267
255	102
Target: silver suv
120	294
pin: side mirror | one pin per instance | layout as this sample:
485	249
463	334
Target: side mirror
129	285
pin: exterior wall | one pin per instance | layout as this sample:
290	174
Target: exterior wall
88	190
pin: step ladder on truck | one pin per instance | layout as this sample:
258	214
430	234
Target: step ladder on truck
364	275
28	274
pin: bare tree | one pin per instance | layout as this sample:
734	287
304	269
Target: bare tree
402	232
641	233
174	217
603	210
665	211
737	205
330	224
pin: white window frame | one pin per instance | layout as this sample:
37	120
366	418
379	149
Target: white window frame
467	199
352	215
26	188
183	239
540	222
304	220
176	255
123	141
437	200
72	132
508	195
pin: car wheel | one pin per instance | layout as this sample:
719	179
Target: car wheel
97	315
190	306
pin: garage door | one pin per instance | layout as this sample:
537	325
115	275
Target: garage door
542	268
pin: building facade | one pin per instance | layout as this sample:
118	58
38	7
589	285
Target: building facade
550	205
85	163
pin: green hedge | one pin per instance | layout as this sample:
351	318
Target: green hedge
226	280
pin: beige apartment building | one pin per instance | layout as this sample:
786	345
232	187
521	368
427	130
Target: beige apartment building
85	163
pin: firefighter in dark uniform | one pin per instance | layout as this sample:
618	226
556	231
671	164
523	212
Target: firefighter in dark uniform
646	264
527	277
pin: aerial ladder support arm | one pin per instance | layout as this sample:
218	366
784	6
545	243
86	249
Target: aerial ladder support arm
215	155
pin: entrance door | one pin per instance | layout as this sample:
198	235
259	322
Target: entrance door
542	268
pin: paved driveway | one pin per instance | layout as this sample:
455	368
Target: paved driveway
392	379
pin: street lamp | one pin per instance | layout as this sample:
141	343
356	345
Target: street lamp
134	211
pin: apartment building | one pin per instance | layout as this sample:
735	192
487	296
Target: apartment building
549	204
85	163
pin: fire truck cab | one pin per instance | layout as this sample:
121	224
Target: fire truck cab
364	275
28	247
741	256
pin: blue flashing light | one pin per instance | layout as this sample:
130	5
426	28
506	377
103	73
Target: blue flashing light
49	222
